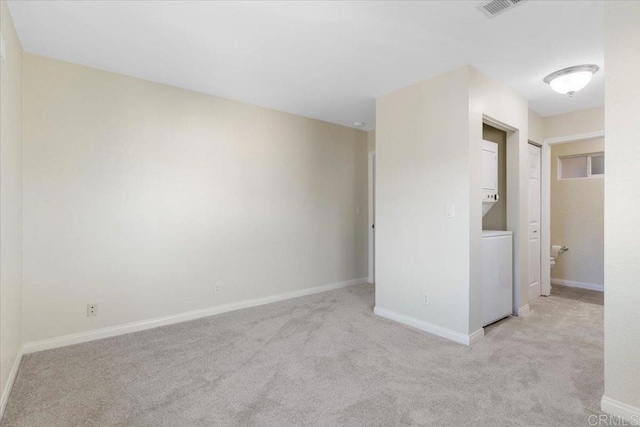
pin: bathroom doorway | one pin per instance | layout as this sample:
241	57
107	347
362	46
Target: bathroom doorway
575	216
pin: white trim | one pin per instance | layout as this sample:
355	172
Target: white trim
524	311
545	220
575	138
430	327
10	380
631	414
476	336
574	284
371	213
535	150
497	124
112	331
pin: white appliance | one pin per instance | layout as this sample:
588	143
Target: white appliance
497	275
489	175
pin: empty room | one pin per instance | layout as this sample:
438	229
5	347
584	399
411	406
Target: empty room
327	213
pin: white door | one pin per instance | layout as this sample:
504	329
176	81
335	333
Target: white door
534	220
372	216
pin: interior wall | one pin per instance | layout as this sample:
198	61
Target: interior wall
574	123
143	198
582	122
496	218
422	154
577	218
10	204
536	128
622	210
371	140
429	162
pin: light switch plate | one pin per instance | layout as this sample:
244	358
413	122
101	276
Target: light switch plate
3	49
450	211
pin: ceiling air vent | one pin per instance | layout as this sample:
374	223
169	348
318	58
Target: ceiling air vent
496	7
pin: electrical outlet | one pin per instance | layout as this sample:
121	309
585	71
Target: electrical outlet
216	288
92	310
357	210
425	299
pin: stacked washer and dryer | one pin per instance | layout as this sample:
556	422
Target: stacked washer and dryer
497	247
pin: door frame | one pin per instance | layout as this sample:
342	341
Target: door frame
372	217
516	220
545	219
541	184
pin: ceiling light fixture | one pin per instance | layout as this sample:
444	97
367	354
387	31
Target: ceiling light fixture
570	80
359	124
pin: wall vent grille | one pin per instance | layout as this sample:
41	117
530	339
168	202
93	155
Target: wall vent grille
493	8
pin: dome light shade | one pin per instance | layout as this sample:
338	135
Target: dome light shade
570	80
571	83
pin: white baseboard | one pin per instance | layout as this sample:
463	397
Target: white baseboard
430	327
631	414
178	318
476	336
574	284
524	311
10	380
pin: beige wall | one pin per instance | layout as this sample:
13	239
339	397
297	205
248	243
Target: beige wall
622	209
496	218
428	153
577	218
536	128
371	140
422	164
142	197
574	123
490	98
10	204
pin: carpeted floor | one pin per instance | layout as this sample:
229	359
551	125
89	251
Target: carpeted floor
323	360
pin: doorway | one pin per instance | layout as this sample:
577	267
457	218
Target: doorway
577	219
549	172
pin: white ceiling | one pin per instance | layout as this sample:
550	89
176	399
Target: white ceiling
326	60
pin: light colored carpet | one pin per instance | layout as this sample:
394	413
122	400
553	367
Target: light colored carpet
324	360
